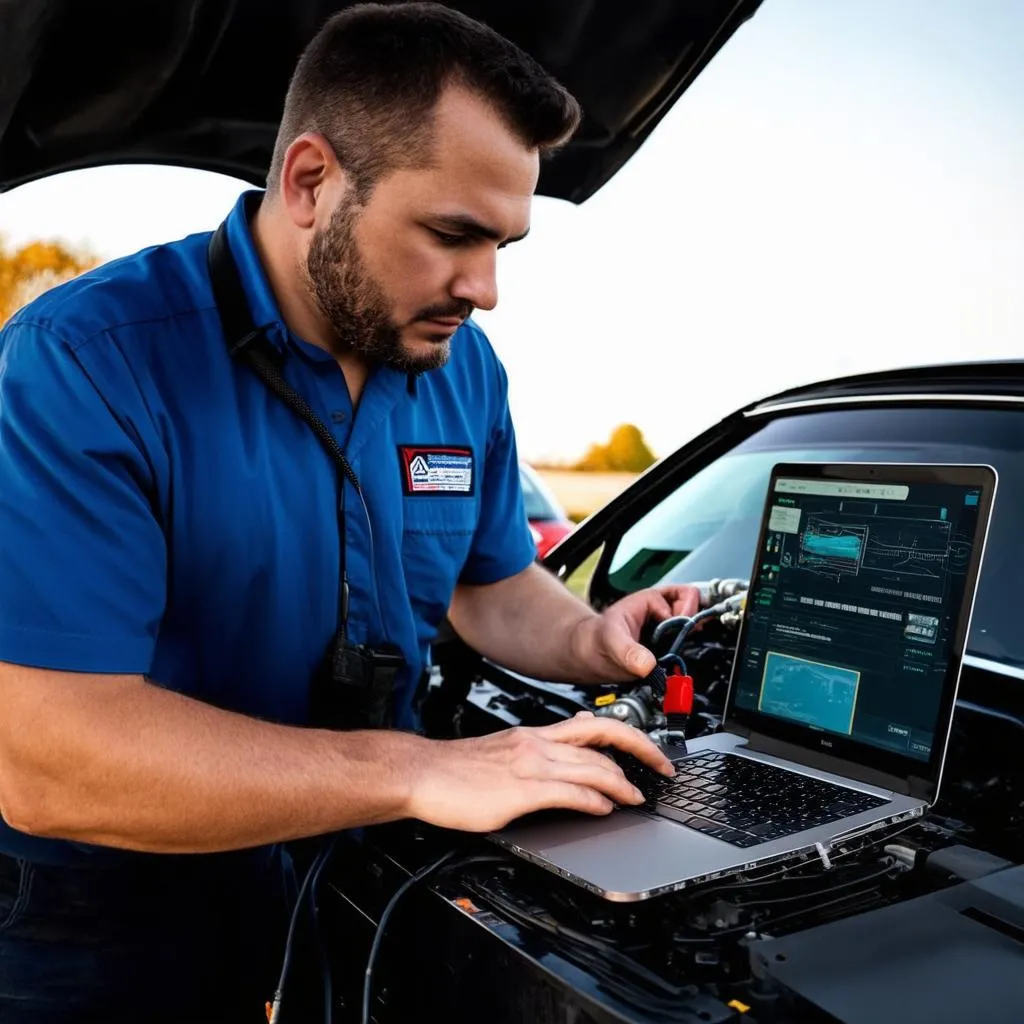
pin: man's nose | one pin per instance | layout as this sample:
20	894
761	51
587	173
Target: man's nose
476	281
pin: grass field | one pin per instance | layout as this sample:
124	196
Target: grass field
579	579
582	493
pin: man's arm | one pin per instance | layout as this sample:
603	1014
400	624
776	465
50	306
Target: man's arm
518	614
118	761
531	623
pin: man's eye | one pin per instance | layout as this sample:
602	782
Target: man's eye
445	239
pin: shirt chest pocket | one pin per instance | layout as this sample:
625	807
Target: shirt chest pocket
436	538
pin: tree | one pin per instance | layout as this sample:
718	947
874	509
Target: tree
626	451
35	268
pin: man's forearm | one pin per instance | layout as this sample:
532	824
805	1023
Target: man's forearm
118	761
523	622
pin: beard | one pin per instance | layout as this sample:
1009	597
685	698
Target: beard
355	305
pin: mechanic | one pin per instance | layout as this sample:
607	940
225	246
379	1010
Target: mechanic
186	565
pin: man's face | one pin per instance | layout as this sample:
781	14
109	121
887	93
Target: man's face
396	275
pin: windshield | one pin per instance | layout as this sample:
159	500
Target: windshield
707	528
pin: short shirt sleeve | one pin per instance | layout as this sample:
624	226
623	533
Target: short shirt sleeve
502	545
83	560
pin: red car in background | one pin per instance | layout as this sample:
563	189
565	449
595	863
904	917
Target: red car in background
548	520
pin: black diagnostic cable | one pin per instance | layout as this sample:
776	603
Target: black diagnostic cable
307	896
306	891
412	880
685	623
325	967
730	604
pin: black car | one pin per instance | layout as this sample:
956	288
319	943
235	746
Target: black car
929	928
810	943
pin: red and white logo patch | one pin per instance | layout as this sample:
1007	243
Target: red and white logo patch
436	470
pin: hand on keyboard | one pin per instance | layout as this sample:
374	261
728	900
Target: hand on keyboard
482	783
645	778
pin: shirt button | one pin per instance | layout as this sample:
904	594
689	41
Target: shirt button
338	416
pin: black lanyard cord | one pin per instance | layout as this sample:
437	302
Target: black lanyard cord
272	377
267	370
249	342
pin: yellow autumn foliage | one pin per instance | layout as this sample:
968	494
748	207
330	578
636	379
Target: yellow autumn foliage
33	268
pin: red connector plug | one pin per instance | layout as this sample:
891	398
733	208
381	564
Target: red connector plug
678	695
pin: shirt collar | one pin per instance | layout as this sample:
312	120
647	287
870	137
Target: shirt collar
262	303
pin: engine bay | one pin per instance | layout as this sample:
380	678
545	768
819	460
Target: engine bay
744	947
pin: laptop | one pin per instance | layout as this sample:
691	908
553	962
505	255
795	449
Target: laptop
842	692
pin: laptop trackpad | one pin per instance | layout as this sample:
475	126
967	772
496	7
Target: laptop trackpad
624	856
548	830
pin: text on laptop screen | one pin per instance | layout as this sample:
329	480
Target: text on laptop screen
850	617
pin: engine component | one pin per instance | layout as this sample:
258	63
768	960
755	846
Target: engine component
639	708
714	591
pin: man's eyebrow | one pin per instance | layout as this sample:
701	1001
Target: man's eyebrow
469	226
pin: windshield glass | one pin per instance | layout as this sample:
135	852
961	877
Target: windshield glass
707	528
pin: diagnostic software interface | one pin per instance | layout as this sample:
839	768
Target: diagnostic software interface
851	619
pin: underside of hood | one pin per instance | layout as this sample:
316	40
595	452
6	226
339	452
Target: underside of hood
201	83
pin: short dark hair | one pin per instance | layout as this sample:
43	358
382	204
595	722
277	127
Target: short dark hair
371	77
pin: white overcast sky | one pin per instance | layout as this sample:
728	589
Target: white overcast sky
842	189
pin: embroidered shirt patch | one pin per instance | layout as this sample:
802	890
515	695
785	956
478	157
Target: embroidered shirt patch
437	470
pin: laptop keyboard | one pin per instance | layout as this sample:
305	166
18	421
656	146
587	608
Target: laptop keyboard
746	802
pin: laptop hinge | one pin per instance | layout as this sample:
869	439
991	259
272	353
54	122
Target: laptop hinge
825	763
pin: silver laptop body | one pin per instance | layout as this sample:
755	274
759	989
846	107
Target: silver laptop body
846	671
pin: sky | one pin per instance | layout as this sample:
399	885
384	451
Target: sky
841	190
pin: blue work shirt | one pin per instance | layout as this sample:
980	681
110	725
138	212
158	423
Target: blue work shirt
163	513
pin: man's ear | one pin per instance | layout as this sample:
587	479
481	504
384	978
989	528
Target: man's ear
310	177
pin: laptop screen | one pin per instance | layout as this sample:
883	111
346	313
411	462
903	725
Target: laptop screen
858	609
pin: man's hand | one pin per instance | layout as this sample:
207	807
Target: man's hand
481	784
606	647
531	623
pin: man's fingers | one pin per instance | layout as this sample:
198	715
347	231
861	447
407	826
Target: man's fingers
573	797
638	659
612	784
579	755
624	651
606	732
685	601
659	605
682	599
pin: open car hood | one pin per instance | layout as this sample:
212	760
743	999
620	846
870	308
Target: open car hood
200	83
